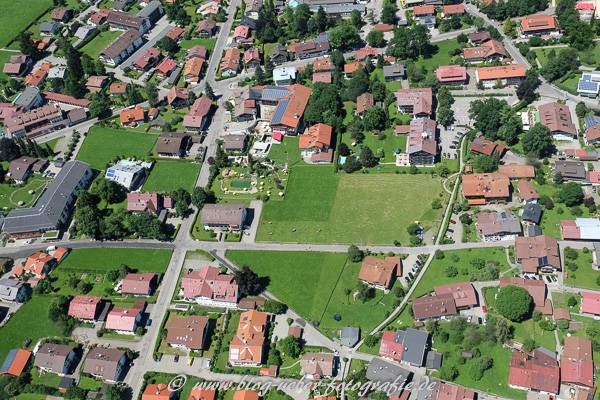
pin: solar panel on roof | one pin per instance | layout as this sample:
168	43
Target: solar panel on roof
279	111
8	360
274	92
590	121
543	260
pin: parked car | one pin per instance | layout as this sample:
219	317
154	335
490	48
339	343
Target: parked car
406	279
176	358
452	221
159	357
148	322
415	266
455	155
411	276
450	230
484	321
479	320
554	278
484	308
452	146
246	233
469	318
548	279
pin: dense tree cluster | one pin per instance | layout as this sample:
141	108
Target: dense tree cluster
514	303
558	65
495	119
409	42
513	8
538	141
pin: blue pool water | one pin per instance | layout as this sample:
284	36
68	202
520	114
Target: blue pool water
342	160
293	3
126	163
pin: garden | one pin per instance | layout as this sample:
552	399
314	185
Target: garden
578	269
96	45
11	195
167	176
342	209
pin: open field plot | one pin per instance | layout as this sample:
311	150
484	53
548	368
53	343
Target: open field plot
208	43
543	54
21	193
461	259
167	176
393	86
494	380
30	322
303	280
389	145
101	145
96	45
585	276
561	300
357	208
16	16
105	259
440	55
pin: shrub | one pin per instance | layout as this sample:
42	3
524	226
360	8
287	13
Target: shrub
451	271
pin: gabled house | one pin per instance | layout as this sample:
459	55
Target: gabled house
198	52
557	117
203	394
49	28
324	64
165	67
124	320
105	364
21	168
95	84
206	28
158	392
85	307
118	88
223	217
208	286
140	284
409	347
517	171
365	52
252	58
248	345
395	72
532	214
39	264
537	254
590	303
17	66
284	75
151	202
311	49
363	103
384	372
488	51
188	332
418	102
540	373
36	78
318	365
421	146
133	116
464	294
318	139
380	274
507	75
12	291
176	34
480	189
479	37
425	15
61	14
197	118
147	60
55	358
279	54
527	193
487	147
122	47
193	70
230	63
15	362
351	67
241	33
177	97
234	143
538	25
452	74
323	77
498	226
452	9
577	364
172	144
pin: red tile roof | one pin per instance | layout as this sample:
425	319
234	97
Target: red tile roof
166	66
84	307
537	22
208	282
241	31
517	171
389	348
420	99
195	118
148	57
353	66
157	392
364	102
423	10
138	283
122	319
590	303
319	135
19	360
39	263
177	93
541	373
526	190
324	77
504	72
434	306
176	33
133	115
451	73
487	147
453	9
576	361
376	271
367	51
463	293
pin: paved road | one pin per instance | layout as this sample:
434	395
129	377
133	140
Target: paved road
158	32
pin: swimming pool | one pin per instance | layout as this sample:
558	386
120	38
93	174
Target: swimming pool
239	184
126	163
293	3
342	160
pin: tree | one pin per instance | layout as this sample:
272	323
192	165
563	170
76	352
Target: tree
375	38
421	38
269	67
248	281
75	393
502	330
259	76
514	303
356	18
371	340
167	44
484	163
200	197
109	191
27	46
9	150
84	287
290	346
114	392
439	254
343	149
572	302
432	326
388	13
581	36
375	118
526	91
344	35
570	253
529	344
151	93
536	315
208	92
569	194
445	116
274	357
448	372
465	219
182	199
354	253
442	170
581	109
558	178
273	306
451	271
367	159
365	292
538	141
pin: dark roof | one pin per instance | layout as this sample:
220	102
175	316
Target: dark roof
434	360
534	230
382	371
414	344
249	22
25	99
533	213
571	169
48	209
66	382
121	43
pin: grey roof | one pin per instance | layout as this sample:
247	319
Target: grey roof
382	371
434	360
571	169
426	391
25	99
249	22
533	213
394	70
9	288
591	120
349	335
149	9
546	352
415	344
534	230
48	27
279	50
174	75
121	43
322	38
66	382
133	169
46	214
84	31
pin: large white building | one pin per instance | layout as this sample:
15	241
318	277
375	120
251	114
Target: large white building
125	174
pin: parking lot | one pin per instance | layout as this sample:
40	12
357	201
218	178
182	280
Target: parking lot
411	266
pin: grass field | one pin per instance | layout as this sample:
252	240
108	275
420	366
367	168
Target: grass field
148	260
167	176
388	145
208	43
327	208
436	273
96	45
585	276
21	193
16	16
30	322
287	151
440	55
313	284
542	54
103	144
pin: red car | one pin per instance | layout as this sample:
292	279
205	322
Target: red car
484	309
452	221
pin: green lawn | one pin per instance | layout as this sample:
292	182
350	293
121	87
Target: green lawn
96	45
103	144
146	260
571	83
560	300
167	176
387	145
585	276
441	55
436	273
21	193
52	143
542	54
208	43
302	280
17	15
46	378
494	380
30	322
5	55
393	86
89	384
324	207
287	151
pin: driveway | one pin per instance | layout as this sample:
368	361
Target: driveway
158	32
252	219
